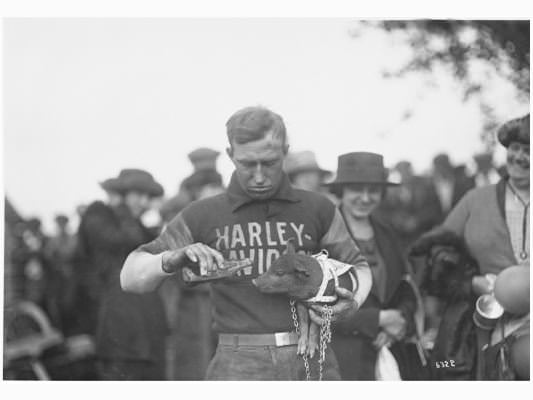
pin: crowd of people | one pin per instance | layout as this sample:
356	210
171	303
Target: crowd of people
433	245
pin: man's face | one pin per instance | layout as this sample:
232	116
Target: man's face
62	225
308	180
405	171
258	165
113	198
518	162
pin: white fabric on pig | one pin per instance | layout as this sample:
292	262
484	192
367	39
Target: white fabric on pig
331	270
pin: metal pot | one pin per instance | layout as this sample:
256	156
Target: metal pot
488	311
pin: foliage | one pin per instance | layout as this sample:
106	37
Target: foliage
464	47
504	45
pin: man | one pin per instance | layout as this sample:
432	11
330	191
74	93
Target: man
450	183
203	159
192	340
13	268
304	172
412	208
131	328
205	181
60	251
254	219
36	266
486	173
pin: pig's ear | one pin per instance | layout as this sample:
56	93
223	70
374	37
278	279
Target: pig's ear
290	247
301	270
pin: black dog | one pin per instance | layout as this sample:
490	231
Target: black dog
450	267
448	277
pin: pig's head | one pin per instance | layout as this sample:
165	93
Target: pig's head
297	275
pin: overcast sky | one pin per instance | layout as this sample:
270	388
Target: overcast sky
84	98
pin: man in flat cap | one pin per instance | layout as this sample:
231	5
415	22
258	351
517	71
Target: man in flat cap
254	218
493	222
203	182
203	159
193	341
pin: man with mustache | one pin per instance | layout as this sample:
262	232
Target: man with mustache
494	220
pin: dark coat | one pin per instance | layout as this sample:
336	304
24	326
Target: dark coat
461	185
352	341
130	326
414	214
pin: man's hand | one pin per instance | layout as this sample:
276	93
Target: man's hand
393	323
345	307
382	339
483	284
207	258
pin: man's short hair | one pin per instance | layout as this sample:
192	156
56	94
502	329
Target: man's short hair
253	123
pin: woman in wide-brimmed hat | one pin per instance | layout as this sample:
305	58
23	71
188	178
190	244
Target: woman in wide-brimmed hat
131	328
387	315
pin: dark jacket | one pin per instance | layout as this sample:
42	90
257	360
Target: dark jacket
414	214
130	326
352	341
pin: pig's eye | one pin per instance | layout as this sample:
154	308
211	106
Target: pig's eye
279	272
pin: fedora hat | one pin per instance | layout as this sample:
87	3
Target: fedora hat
361	167
133	179
303	161
516	130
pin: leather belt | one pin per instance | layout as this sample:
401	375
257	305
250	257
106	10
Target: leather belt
268	339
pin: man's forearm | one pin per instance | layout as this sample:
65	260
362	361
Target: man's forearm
142	272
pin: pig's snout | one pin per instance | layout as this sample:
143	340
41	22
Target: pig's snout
266	283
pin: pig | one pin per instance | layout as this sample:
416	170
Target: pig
301	278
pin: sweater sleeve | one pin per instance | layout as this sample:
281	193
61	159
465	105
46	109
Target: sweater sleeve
456	220
341	247
339	244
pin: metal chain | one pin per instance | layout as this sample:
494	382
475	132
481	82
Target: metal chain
297	327
325	338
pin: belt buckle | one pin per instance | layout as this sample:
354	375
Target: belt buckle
282	339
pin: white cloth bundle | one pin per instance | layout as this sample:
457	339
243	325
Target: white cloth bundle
386	366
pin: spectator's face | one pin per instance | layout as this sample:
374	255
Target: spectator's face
405	170
137	202
442	169
113	198
258	165
361	199
518	162
62	225
308	180
484	164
